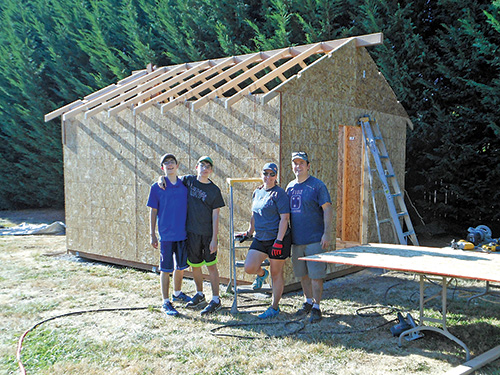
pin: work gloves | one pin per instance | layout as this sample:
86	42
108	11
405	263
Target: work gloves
242	236
277	248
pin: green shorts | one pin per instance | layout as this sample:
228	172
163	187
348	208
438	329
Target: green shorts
198	250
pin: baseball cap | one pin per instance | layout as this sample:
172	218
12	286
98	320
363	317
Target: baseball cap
167	156
208	159
300	155
270	166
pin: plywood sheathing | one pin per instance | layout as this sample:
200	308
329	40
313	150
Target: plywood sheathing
100	174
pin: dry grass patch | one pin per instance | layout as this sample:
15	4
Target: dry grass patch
35	285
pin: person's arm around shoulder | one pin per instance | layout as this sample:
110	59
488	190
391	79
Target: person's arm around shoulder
215	230
153	214
326	239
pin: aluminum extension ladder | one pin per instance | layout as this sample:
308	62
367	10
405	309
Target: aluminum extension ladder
394	197
232	286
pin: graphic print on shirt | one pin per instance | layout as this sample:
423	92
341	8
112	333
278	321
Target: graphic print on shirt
296	201
197	193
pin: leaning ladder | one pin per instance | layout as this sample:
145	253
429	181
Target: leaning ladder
394	197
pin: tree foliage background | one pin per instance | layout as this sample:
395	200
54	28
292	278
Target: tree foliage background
441	57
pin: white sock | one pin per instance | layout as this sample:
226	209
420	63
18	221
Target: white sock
200	293
166	300
176	293
316	306
216	299
309	301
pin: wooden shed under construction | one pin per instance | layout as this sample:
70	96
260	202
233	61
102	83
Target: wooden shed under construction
243	111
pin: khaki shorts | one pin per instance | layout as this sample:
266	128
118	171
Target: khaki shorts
301	268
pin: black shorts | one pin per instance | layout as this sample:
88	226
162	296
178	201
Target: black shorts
198	250
267	246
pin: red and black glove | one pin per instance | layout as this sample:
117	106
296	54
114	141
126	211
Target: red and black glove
242	237
277	248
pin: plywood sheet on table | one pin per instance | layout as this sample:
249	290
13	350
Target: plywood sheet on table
427	260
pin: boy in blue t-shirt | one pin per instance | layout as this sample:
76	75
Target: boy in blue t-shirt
311	215
168	207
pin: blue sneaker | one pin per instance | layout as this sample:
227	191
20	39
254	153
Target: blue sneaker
259	280
181	297
269	313
169	309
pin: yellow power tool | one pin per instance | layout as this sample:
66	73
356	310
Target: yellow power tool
462	245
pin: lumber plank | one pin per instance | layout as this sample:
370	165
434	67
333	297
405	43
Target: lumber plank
58	112
316	48
173	92
175	81
148	91
128	90
275	91
476	363
233	84
242	65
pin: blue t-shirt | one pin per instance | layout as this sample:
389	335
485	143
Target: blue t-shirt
306	213
267	206
171	204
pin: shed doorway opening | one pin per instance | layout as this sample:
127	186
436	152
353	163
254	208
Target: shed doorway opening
350	187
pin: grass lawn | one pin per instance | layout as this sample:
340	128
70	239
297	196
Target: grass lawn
38	280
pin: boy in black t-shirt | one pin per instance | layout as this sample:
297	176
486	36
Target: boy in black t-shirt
202	226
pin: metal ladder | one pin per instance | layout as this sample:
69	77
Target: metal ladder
394	197
232	287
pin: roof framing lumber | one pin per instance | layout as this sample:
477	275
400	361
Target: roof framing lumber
274	92
174	84
126	91
242	65
175	91
233	84
110	91
275	73
171	78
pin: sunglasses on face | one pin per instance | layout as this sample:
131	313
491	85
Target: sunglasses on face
271	174
169	162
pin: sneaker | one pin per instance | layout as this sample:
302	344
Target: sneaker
198	301
269	313
181	297
315	315
212	307
169	309
259	280
305	309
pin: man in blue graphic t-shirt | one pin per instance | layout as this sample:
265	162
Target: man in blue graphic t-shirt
311	214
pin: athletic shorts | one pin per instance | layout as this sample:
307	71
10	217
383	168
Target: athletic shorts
173	255
267	247
198	248
301	268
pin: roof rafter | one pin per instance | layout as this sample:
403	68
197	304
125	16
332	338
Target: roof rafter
230	78
278	72
172	77
242	65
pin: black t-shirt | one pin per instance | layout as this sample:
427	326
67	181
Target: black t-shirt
202	200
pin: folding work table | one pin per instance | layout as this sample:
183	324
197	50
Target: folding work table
442	264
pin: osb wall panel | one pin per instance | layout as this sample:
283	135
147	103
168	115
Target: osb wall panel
99	159
239	140
372	90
